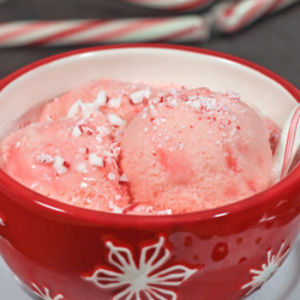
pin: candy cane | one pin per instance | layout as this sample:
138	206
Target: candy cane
51	33
288	145
225	18
234	16
181	5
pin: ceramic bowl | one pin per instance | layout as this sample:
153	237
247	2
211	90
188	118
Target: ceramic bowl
62	252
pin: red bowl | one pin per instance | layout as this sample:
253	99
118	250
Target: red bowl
64	252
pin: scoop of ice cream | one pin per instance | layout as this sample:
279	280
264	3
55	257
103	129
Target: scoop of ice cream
196	150
72	160
125	100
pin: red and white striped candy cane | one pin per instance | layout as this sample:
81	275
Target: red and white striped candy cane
288	145
234	16
172	29
179	5
53	33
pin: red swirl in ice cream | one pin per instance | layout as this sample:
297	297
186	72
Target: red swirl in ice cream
134	148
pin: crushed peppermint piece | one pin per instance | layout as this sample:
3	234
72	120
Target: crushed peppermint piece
115	149
233	95
75	109
112	161
114	208
33	185
111	176
84	185
58	162
141	208
49	118
96	160
77	131
81	168
101	99
88	201
87	109
139	96
124	178
194	97
165	212
180	146
60	165
114	103
116	120
194	104
18	144
172	104
118	197
157	122
103	132
99	138
211	105
108	154
123	190
44	158
87	130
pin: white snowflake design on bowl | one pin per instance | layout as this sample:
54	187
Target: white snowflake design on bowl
262	275
46	294
144	278
2	221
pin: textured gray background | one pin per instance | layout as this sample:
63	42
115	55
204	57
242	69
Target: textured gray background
273	42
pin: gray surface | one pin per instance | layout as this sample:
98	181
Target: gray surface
273	43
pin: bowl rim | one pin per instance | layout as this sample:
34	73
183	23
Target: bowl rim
50	207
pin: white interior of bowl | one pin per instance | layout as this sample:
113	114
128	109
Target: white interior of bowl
146	64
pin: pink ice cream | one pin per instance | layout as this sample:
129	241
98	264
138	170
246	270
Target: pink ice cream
111	96
196	150
72	153
70	160
143	149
